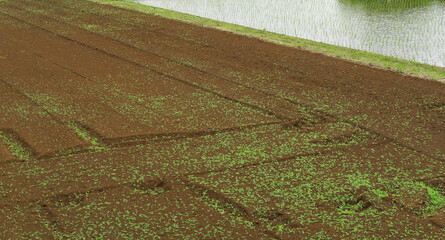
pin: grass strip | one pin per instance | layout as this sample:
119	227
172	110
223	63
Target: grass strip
376	60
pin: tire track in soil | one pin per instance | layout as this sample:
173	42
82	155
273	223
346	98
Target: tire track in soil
330	80
165	184
407	146
200	189
135	139
368	130
162	57
15	140
293	157
235	65
102	85
287	125
231	65
138	138
284	103
17	146
252	95
311	80
185	40
49	205
142	140
193	134
234	208
5	154
225	80
72	90
160	185
106	144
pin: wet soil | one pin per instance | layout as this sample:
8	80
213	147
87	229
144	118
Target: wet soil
117	124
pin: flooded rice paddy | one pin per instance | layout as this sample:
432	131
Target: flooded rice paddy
408	29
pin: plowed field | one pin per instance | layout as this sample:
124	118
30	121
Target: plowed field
116	124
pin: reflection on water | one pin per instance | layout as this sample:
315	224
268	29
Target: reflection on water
388	6
408	29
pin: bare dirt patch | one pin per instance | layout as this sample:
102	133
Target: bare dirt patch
117	124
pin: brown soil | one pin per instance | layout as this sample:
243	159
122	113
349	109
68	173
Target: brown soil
118	124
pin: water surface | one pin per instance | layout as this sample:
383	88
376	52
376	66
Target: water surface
407	29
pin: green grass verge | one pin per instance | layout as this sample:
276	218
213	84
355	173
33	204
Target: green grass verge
375	60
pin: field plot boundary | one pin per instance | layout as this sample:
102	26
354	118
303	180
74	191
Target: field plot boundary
271	112
197	133
187	82
402	66
99	143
